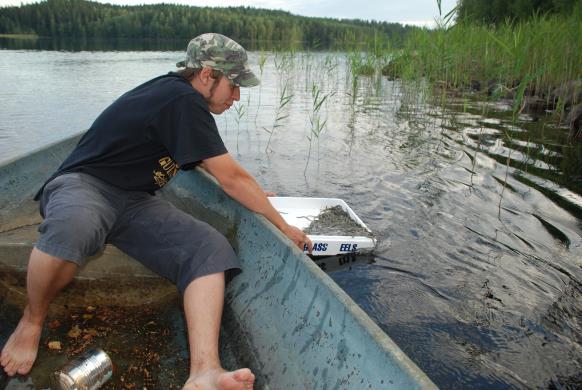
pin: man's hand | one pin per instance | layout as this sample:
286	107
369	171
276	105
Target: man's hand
298	237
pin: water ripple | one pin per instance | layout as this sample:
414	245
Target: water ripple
478	216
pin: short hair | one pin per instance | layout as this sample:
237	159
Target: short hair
190	73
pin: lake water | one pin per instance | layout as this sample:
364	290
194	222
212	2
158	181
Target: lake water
477	275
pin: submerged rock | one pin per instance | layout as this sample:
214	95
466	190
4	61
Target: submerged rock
569	93
574	120
534	105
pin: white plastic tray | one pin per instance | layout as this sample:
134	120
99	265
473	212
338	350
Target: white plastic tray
300	212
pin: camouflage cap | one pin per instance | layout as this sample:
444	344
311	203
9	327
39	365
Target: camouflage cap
220	52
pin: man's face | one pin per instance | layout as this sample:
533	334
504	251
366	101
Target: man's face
223	96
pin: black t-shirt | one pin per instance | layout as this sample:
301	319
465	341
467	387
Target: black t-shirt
141	140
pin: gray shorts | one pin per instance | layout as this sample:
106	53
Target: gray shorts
82	213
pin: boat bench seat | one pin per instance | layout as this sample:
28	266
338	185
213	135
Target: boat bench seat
16	242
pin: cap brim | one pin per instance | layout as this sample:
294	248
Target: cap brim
247	79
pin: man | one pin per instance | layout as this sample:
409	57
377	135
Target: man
102	193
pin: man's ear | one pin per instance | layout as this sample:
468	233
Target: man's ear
205	75
203	81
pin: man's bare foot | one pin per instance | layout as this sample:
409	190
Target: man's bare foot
19	352
219	379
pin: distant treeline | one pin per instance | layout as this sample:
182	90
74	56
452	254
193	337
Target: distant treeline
500	11
86	19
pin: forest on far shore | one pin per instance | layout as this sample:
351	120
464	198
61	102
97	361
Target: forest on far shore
87	19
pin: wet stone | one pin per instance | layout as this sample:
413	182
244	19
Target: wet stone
335	221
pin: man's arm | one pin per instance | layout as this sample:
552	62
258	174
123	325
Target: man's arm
243	187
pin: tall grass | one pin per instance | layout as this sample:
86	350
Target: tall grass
317	124
280	115
545	50
513	60
262	62
369	64
241	111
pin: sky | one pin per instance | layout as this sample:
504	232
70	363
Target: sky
417	12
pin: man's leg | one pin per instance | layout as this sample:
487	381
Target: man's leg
79	211
193	255
203	303
46	276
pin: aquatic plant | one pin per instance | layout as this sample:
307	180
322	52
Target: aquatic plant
280	115
262	62
330	63
490	59
334	220
369	64
241	111
524	62
317	124
447	20
284	62
354	61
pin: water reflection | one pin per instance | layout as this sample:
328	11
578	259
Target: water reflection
129	44
89	44
478	216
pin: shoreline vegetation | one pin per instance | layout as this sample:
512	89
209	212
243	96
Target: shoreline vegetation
535	63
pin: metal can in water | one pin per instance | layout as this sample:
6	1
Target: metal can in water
88	371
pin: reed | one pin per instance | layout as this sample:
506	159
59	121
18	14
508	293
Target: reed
262	62
284	62
241	111
280	115
357	67
317	124
544	51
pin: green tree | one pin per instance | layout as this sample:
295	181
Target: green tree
499	11
81	18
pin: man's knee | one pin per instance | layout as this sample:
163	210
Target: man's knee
37	256
219	245
46	266
215	255
72	237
